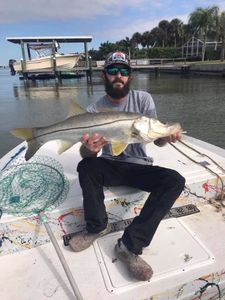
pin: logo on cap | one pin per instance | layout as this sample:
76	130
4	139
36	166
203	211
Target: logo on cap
117	57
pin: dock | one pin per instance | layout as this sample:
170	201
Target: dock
48	65
30	68
155	66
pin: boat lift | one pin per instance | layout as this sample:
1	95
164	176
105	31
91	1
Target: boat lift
51	42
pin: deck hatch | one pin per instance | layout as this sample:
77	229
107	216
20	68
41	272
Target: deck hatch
167	255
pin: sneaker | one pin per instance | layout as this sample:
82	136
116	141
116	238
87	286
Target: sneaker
136	266
83	239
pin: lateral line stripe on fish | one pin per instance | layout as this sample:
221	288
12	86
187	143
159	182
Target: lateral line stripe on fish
80	127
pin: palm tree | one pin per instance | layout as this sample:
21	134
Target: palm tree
164	25
144	39
221	32
204	21
187	32
126	45
147	39
106	48
158	36
176	31
136	39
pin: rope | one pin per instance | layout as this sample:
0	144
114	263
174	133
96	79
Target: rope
14	156
209	284
207	168
203	154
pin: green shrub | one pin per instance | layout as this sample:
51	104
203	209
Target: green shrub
212	54
164	53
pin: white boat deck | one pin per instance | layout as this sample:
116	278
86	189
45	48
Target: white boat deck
177	255
187	254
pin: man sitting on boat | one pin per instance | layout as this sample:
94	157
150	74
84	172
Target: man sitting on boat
131	168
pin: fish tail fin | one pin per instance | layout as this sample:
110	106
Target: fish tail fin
32	148
22	133
32	144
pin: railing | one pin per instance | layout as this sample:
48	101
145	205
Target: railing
156	61
138	62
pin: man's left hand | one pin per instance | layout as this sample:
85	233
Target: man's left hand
173	137
169	139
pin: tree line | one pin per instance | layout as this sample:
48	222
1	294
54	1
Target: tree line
166	39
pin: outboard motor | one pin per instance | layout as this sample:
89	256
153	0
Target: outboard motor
12	70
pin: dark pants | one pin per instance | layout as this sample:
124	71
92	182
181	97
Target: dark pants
164	184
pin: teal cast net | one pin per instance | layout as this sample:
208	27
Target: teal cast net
30	187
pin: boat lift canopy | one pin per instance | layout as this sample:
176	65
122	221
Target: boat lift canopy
47	39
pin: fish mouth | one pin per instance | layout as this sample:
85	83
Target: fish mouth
163	130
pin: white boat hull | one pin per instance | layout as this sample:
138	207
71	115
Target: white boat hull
45	64
187	253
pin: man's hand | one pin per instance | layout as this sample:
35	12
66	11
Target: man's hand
91	145
173	137
169	139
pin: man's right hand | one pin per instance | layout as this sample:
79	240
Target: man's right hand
93	143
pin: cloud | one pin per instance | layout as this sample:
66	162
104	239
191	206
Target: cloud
219	3
12	11
136	26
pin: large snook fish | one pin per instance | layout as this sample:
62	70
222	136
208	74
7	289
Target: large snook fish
118	128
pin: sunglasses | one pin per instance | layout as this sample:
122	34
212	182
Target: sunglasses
115	70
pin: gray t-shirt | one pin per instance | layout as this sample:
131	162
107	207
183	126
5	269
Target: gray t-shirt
137	102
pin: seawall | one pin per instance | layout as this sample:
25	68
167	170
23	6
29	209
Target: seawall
208	69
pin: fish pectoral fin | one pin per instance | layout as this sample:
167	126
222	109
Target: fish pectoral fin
64	145
22	133
117	147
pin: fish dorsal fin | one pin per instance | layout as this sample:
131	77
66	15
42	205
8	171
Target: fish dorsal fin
76	109
105	109
64	145
22	133
117	147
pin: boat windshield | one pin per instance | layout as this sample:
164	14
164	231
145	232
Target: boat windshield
45	49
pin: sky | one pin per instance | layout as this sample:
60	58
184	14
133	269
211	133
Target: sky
104	20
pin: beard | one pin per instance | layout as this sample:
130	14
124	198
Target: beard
115	92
